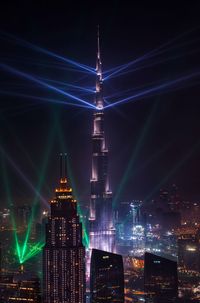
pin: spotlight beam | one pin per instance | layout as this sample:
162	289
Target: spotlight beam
133	158
39	186
154	89
20	145
85	89
47	52
174	169
23	177
48	100
42	83
161	61
50	66
148	55
9	200
131	90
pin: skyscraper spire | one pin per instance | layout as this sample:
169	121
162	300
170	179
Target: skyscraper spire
98	66
99	78
63	166
102	233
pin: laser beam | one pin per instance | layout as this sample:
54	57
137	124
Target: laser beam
42	83
147	55
48	100
174	169
85	89
47	52
160	61
154	89
133	158
22	175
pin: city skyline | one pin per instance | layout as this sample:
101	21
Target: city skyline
164	128
123	222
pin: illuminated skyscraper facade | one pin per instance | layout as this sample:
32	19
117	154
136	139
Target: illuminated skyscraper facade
64	253
20	288
102	233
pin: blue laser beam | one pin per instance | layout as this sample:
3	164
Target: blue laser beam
47	65
130	90
81	88
154	89
49	100
44	84
160	61
147	55
47	52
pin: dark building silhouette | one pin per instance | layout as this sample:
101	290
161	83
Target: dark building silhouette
106	277
64	253
160	279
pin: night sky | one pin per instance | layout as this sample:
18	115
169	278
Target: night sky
156	137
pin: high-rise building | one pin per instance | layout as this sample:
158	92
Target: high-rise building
160	279
20	288
64	253
106	277
102	232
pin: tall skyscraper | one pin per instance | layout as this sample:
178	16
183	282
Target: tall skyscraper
102	232
160	279
64	253
106	277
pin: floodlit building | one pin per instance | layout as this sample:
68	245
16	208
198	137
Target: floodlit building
64	253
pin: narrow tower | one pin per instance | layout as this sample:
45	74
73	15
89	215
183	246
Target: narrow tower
102	233
64	254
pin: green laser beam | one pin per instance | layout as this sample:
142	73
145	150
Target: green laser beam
19	144
9	200
144	165
43	169
33	251
135	153
22	250
182	161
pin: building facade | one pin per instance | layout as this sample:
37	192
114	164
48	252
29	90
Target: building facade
64	253
160	279
20	288
106	277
